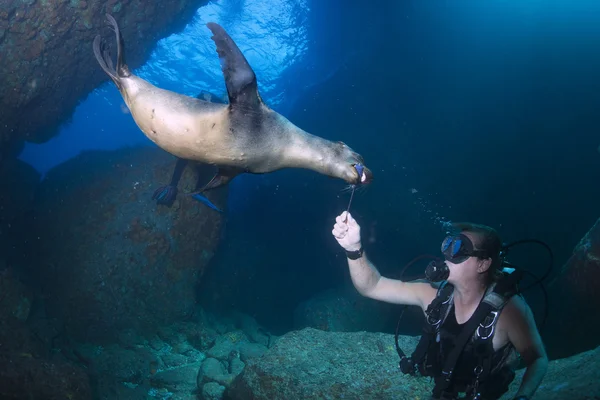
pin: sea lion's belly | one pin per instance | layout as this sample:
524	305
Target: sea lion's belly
207	132
187	128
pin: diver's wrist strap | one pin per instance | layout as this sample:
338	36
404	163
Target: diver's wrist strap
356	254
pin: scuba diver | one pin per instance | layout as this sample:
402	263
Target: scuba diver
166	195
477	323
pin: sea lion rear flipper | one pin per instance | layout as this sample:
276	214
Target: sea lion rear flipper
116	73
221	178
239	76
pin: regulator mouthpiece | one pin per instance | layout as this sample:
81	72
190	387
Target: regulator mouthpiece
437	271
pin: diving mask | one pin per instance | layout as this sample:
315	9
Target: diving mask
459	248
456	249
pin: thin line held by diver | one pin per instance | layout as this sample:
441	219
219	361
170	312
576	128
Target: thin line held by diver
350	202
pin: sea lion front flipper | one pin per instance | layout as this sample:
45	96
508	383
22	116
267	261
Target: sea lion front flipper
166	194
239	76
223	176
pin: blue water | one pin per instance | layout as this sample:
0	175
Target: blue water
273	37
470	110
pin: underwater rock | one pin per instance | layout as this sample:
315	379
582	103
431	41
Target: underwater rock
47	61
29	369
173	360
107	257
252	328
181	380
153	368
572	324
343	309
18	182
122	364
250	350
576	377
15	298
314	364
200	337
25	377
128	339
364	365
19	340
212	391
227	343
213	370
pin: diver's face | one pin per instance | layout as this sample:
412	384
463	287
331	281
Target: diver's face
353	168
464	271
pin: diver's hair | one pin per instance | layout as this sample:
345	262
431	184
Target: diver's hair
488	240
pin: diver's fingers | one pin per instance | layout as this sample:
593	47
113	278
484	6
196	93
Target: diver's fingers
339	229
338	235
351	221
340	224
341	218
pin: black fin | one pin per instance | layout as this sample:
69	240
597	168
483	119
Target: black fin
239	76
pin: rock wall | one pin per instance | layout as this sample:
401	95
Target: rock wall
18	182
106	256
47	61
573	324
343	309
29	368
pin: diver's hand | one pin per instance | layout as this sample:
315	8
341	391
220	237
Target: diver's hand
347	232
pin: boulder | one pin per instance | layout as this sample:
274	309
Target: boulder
108	258
343	309
574	302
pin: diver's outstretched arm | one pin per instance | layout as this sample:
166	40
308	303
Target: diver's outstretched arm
366	278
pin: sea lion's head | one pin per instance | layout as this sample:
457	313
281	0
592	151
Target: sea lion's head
351	166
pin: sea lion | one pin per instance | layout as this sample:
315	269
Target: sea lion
242	136
166	194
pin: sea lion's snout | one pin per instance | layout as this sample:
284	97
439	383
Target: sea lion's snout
362	175
366	177
351	166
358	174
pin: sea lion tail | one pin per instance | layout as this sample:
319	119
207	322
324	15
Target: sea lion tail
104	59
